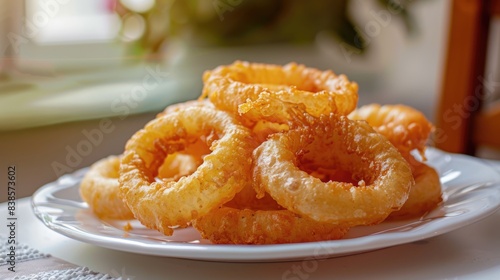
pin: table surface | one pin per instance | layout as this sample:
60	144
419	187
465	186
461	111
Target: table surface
472	252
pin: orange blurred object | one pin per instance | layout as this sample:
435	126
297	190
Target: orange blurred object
463	121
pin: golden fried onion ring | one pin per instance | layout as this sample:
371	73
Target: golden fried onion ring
101	190
271	114
424	196
383	175
184	105
247	199
275	109
247	219
227	225
224	172
184	162
229	86
100	187
405	127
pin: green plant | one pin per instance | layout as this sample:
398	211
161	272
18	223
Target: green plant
244	22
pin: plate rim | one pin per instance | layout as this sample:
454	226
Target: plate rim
264	253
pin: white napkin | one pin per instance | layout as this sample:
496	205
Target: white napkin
29	263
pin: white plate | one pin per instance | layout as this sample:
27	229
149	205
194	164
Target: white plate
471	192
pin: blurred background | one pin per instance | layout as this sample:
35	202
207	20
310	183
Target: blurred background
394	47
78	78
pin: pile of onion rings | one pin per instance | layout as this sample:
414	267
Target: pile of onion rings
269	154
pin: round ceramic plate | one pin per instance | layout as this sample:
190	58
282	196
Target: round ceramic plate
471	191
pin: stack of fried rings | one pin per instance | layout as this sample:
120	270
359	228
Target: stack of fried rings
277	155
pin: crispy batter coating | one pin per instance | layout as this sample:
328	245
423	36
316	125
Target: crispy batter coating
424	196
406	127
273	108
224	172
184	105
100	187
101	190
234	226
247	219
229	86
383	175
247	199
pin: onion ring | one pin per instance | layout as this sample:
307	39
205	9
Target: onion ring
383	175
229	86
424	196
164	204
274	109
101	190
405	127
184	162
184	105
247	219
271	114
235	226
247	199
100	187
